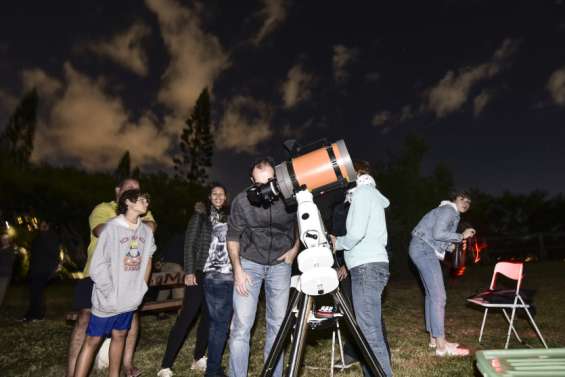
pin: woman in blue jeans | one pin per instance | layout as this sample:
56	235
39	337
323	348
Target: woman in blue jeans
209	283
218	283
431	238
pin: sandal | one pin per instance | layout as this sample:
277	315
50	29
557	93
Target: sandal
452	351
433	345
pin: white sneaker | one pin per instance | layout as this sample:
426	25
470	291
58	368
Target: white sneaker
167	372
199	364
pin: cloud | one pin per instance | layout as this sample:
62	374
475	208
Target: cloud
342	57
126	49
556	86
453	90
46	86
73	135
480	102
297	87
273	14
245	124
197	58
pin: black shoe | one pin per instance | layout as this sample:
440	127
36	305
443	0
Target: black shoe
348	362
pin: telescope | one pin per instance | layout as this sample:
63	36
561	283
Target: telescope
319	168
311	171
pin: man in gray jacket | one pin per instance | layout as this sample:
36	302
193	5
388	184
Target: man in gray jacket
262	244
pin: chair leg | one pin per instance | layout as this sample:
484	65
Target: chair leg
483	325
536	327
510	327
513	328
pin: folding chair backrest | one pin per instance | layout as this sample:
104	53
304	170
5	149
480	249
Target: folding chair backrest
512	270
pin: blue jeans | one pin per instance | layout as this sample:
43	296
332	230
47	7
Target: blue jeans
277	287
429	268
218	291
367	283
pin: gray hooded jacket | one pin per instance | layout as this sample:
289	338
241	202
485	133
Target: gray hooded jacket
118	267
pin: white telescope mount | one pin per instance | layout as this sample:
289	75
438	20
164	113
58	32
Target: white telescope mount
318	278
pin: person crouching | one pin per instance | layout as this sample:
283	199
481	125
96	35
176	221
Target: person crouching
120	269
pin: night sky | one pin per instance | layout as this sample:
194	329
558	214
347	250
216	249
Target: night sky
483	82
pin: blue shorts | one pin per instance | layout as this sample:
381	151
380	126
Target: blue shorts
103	326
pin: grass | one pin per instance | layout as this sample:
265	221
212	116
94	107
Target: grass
39	349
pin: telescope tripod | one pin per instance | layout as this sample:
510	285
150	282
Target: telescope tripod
299	320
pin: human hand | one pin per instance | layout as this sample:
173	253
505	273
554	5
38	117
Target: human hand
288	257
190	280
468	233
341	273
241	280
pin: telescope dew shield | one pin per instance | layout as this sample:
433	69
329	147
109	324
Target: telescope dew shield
322	168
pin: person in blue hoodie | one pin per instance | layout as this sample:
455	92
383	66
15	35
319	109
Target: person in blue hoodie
431	238
366	257
120	270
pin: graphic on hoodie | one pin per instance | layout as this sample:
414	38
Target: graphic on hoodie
218	258
132	260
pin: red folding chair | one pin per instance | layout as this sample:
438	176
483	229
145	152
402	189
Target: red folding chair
512	271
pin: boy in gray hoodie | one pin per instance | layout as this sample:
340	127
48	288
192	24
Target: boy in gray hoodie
120	269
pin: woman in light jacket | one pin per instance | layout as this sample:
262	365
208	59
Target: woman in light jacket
431	238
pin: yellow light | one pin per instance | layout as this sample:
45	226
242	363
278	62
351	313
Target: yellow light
11	232
20	220
77	275
61	255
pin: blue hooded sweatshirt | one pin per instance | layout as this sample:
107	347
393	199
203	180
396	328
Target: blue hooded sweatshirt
366	238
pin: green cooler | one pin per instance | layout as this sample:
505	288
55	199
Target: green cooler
522	362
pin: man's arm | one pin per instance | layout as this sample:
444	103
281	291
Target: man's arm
241	279
289	256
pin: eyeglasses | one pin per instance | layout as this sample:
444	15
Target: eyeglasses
143	199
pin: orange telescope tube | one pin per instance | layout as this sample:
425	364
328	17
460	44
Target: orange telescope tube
316	170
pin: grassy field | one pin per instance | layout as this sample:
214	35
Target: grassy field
39	349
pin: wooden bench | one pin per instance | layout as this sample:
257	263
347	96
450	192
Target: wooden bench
166	280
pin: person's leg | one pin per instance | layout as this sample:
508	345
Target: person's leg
131	342
38	283
219	299
277	289
189	311
78	336
244	310
204	324
116	352
86	355
4	282
368	282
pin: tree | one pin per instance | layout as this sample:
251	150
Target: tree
196	143
123	170
17	138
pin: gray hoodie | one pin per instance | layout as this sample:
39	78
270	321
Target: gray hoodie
118	267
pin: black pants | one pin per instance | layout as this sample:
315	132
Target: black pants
37	285
193	304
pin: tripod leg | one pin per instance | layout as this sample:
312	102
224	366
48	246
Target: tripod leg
299	336
282	335
364	347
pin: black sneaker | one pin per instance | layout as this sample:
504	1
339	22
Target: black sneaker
347	363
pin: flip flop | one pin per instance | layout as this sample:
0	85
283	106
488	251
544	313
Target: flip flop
453	351
449	344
